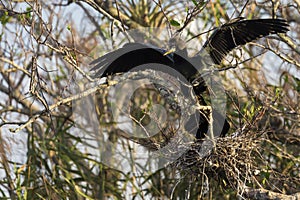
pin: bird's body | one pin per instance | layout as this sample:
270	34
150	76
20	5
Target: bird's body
221	42
132	55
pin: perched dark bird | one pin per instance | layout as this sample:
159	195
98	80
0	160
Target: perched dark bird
220	43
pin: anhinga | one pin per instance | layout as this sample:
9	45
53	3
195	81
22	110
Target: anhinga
220	43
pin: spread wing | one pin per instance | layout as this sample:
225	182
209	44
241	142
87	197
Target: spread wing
128	57
231	35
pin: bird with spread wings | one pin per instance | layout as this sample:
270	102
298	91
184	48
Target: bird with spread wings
224	39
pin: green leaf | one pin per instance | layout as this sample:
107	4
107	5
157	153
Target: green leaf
195	2
4	18
174	22
198	4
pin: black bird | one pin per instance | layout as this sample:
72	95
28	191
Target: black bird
220	43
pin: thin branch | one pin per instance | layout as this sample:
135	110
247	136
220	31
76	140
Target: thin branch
61	102
268	194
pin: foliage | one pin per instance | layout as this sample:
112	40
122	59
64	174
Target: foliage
50	150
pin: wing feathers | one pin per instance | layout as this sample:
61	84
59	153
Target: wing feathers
128	57
240	32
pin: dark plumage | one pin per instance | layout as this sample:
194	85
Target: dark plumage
219	44
132	55
239	32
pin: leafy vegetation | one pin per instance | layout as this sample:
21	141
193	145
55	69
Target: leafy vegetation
61	138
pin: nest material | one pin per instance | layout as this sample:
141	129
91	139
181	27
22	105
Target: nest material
231	159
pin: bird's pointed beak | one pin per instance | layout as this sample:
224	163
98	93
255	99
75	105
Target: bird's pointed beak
172	50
